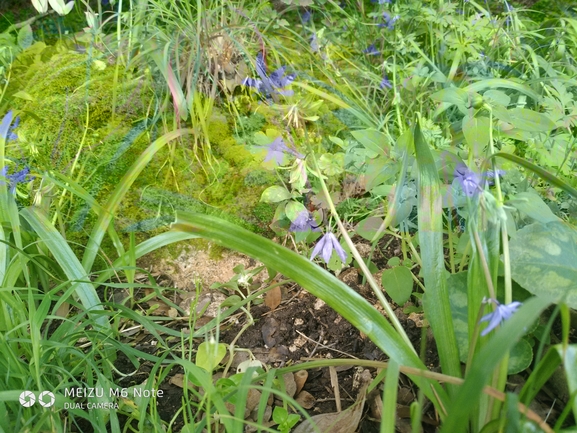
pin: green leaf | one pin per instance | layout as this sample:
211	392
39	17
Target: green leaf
67	260
209	354
368	228
520	358
544	174
476	131
529	120
332	164
398	282
430	222
452	95
497	97
544	261
484	363
457	286
533	206
23	95
293	209
25	37
274	194
569	356
373	140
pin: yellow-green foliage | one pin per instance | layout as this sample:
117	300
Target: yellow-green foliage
54	92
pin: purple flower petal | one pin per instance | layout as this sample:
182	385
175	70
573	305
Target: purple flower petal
371	50
326	246
385	83
304	222
501	313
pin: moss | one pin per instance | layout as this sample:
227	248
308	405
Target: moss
53	129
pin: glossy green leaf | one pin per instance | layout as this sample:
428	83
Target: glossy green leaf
544	261
274	194
398	283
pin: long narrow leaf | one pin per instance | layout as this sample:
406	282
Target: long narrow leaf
430	220
316	280
66	259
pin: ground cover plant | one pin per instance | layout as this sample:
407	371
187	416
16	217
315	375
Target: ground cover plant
401	174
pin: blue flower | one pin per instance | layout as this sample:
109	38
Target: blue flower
371	50
7	131
469	180
385	83
389	21
269	84
381	2
326	246
501	313
22	176
303	222
472	182
306	16
276	150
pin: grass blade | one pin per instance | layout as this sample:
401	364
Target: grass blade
67	261
430	220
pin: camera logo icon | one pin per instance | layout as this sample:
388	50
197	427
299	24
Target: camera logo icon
27	398
45	399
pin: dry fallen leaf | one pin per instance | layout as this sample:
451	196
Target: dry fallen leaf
306	400
301	377
346	421
273	298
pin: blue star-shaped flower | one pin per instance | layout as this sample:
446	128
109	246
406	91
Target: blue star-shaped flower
22	176
469	180
304	222
501	313
326	246
269	84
